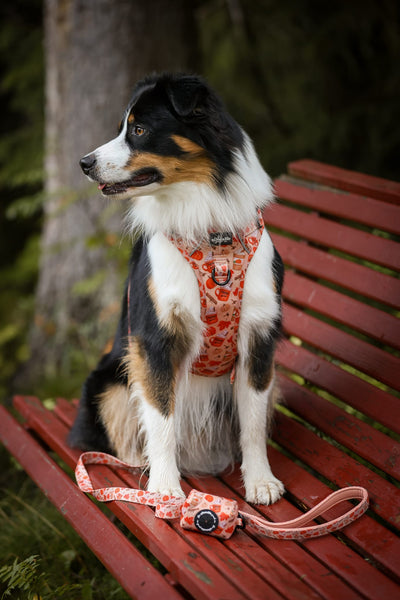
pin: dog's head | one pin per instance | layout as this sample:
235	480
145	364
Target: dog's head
175	129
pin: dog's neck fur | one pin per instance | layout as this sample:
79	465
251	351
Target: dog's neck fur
190	210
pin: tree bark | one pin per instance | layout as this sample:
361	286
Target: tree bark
95	51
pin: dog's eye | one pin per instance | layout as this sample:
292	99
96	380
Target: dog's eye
137	130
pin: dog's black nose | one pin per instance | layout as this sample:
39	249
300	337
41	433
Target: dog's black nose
87	163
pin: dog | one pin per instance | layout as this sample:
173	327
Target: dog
196	188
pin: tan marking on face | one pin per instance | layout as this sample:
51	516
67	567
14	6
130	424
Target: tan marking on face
195	165
188	145
131	118
120	418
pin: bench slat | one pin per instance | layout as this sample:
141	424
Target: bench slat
343	179
338	467
122	559
349	275
366	358
361	395
289	554
300	560
372	445
334	235
360	209
370	537
372	322
367	536
244	546
360	575
187	563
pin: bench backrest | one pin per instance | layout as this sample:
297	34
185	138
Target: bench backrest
339	364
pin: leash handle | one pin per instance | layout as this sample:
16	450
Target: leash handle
298	529
220	516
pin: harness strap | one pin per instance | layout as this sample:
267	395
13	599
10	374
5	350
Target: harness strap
171	507
219	264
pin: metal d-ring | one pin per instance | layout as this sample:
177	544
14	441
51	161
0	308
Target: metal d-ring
228	278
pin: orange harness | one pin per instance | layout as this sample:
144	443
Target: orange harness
220	265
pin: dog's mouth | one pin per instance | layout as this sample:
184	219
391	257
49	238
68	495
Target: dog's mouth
140	179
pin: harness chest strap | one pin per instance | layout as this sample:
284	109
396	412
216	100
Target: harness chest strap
219	264
220	516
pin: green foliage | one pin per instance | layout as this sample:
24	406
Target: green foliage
21	172
307	80
39	551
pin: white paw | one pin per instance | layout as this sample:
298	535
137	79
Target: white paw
165	490
264	491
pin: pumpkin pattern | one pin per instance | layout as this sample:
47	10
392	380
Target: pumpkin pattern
217	516
220	271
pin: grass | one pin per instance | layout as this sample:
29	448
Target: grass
41	549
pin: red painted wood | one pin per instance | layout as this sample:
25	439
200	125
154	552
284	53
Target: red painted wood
187	566
343	179
334	235
317	263
368	211
338	467
371	360
372	322
366	535
349	566
361	395
302	562
372	445
371	538
122	559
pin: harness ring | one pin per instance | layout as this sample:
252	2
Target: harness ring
228	278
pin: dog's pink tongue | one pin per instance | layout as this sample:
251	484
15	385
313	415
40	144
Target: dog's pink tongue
101	186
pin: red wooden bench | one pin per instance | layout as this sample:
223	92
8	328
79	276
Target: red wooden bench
340	425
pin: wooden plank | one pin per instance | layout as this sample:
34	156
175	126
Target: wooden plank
122	559
361	395
366	533
338	467
343	179
370	360
302	562
370	539
334	235
370	321
358	278
216	576
372	445
360	209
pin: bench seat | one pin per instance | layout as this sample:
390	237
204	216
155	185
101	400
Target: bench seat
339	370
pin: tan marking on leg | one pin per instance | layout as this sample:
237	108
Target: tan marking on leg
120	418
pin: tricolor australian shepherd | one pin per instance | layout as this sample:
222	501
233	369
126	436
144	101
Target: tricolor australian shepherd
189	384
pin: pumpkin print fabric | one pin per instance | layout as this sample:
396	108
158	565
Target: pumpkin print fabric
220	265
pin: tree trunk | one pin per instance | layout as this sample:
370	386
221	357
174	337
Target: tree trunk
95	51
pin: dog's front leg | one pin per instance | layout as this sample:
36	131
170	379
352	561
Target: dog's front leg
255	390
161	451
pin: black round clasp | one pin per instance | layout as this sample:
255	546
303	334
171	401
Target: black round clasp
228	278
206	521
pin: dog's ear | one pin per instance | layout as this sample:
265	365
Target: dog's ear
187	96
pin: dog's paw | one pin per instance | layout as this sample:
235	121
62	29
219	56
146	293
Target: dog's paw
264	491
166	491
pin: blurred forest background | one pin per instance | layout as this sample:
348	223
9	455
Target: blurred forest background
305	78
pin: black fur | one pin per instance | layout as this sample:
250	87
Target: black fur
184	105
